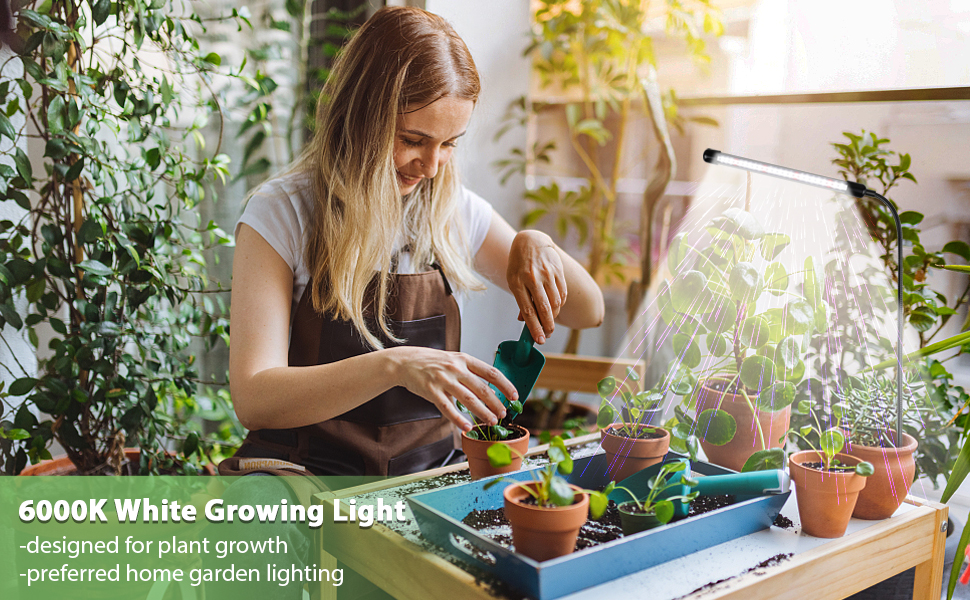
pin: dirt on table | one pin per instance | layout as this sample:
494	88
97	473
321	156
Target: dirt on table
491	523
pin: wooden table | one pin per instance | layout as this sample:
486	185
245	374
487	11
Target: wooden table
870	552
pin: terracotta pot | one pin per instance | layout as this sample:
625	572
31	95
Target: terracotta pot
544	533
895	470
476	451
62	465
746	441
825	500
635	522
628	456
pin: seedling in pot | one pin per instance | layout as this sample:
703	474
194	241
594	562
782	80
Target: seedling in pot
494	433
830	441
636	407
661	508
549	489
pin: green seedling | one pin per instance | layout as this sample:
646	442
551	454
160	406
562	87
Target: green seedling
490	433
637	404
830	441
663	509
551	490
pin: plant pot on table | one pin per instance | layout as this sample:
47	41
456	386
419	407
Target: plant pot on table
894	472
634	520
477	452
542	533
746	441
62	465
826	499
630	455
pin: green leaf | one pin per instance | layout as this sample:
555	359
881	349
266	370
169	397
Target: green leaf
960	248
55	114
598	501
739	222
213	58
777	397
910	217
957	268
687	290
758	372
473	434
814	286
718	344
560	492
22	162
765	460
100	11
687	351
798	317
864	469
663	510
499	455
606	416
606	386
788	353
15	434
677	252
754	332
772	244
22	386
716	426
501	432
95	267
191	444
943	345
745	282
832	441
776	279
960	551
6	128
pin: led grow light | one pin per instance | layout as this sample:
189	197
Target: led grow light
852	188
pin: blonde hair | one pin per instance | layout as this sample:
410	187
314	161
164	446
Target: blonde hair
400	60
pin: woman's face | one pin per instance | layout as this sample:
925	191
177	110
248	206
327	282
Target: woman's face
425	139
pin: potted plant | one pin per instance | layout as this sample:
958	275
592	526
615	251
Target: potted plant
864	403
104	255
547	512
827	483
639	515
476	442
632	443
737	362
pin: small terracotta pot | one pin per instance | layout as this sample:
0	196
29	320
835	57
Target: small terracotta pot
628	456
477	453
62	465
825	500
635	522
886	488
746	441
544	533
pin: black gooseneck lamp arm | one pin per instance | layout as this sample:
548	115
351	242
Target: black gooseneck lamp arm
853	188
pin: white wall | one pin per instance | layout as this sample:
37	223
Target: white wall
496	33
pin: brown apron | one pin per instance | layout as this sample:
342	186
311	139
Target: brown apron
397	432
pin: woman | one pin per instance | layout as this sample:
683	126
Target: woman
348	270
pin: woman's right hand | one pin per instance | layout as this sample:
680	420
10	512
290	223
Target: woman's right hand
438	376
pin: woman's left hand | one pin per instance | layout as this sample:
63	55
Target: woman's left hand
537	279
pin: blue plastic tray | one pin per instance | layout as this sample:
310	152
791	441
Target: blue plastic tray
439	514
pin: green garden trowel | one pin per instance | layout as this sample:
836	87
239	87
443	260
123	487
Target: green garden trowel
753	483
521	364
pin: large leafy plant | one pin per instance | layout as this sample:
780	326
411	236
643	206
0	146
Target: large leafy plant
108	251
721	333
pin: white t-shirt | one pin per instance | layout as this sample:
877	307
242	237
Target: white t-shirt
281	208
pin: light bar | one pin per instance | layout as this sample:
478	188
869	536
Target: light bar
716	157
853	188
